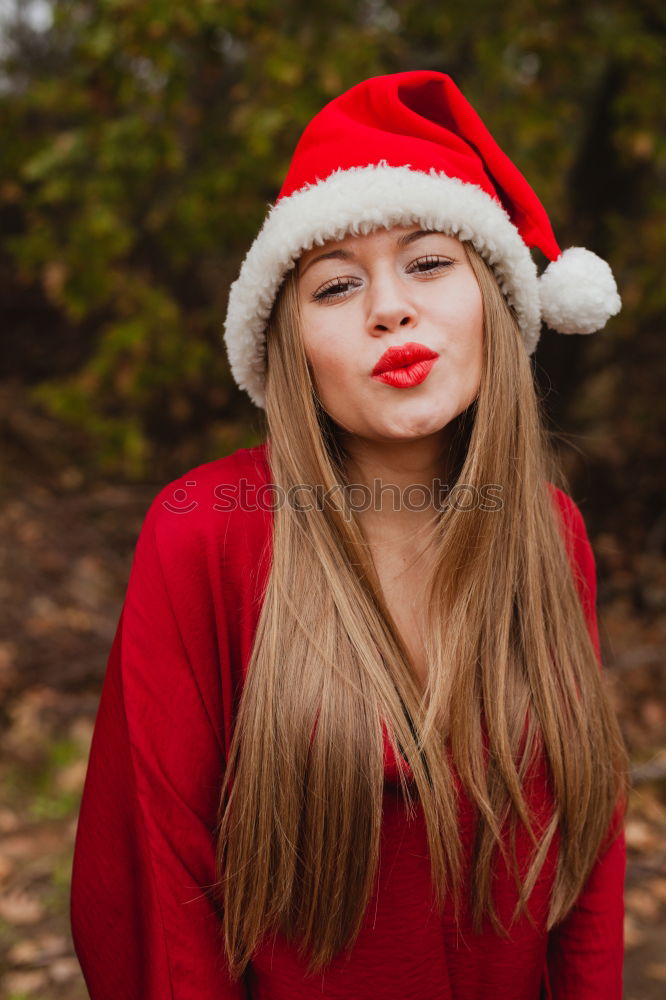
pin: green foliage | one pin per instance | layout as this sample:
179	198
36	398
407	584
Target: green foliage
143	141
51	806
38	782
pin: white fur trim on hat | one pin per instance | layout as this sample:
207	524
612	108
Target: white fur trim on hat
578	292
357	201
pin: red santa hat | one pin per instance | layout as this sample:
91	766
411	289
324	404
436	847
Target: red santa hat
407	149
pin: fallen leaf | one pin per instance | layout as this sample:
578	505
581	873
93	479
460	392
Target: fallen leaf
639	836
6	868
72	777
18	907
658	887
64	969
642	902
633	936
37	950
25	982
656	971
9	821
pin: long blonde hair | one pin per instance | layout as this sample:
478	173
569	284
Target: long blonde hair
507	648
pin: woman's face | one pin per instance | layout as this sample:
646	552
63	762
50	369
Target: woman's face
361	295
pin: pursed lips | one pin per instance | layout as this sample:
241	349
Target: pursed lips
403	356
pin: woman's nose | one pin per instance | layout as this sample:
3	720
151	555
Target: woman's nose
390	306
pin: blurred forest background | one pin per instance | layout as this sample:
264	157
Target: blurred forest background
141	145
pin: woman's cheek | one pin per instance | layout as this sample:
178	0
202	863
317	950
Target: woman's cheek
330	364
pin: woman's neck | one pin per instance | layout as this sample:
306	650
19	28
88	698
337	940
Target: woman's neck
397	486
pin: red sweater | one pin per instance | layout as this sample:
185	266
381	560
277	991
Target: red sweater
142	923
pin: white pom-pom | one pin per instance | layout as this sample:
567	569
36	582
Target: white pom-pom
578	292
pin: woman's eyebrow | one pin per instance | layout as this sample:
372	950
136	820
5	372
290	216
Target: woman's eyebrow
330	255
403	241
408	238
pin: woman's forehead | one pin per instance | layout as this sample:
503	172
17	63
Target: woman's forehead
398	235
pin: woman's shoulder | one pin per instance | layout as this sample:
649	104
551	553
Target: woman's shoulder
581	556
223	504
572	520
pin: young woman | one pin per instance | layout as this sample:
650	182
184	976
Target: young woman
353	738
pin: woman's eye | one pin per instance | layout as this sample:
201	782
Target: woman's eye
337	288
428	264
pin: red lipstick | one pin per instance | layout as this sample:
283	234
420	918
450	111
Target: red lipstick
404	366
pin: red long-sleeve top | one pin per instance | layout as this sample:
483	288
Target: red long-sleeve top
143	925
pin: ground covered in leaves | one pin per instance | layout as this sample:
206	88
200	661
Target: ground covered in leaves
67	553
